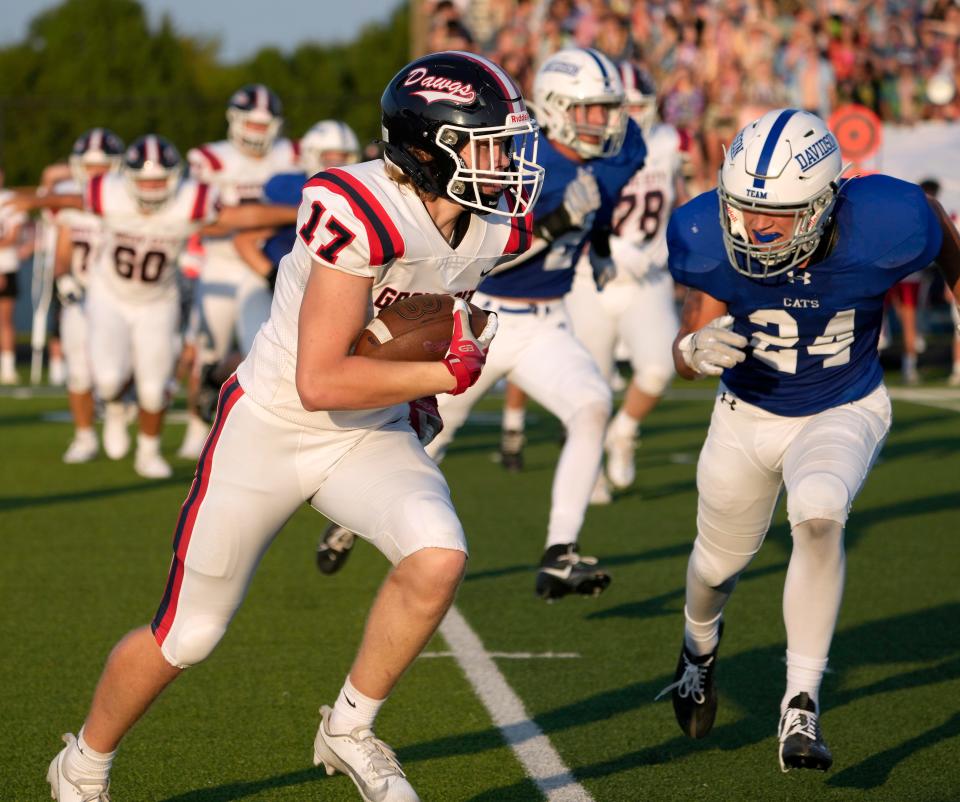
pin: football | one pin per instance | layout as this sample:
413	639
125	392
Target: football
416	329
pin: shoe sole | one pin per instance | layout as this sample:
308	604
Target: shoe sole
803	762
550	588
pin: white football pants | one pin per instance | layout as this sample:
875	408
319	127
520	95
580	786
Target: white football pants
137	339
255	471
640	314
535	349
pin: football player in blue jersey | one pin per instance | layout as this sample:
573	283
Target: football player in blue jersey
787	265
590	150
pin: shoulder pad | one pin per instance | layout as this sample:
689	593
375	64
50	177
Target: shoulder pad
888	221
695	242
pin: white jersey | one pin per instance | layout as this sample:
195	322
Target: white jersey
138	257
86	233
239	178
357	220
639	241
9	219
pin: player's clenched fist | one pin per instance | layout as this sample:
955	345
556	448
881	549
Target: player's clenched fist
714	347
467	353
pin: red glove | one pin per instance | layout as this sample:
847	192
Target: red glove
425	419
467	354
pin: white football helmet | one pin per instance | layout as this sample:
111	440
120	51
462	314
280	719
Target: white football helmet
329	143
640	96
98	148
254	118
152	168
786	163
580	77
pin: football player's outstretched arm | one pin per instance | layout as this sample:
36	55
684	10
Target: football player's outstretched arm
948	260
248	244
705	344
332	313
256	215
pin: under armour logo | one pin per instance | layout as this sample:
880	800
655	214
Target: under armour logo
802	277
731	400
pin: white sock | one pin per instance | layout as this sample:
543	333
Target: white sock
576	474
909	362
514	419
85	433
82	761
148	443
624	425
956	368
803	674
196	425
8	362
352	709
701	638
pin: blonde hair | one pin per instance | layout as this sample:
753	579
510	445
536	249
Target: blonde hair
401	179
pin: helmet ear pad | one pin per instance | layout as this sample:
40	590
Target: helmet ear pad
422	172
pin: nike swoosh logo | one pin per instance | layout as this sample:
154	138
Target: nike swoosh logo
487	272
352	704
560	573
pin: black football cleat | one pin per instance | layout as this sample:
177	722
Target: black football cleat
693	691
334	548
563	571
801	741
512	442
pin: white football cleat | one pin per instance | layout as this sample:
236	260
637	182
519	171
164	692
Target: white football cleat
601	495
83	448
116	438
368	761
194	438
621	455
954	380
151	465
9	378
74	789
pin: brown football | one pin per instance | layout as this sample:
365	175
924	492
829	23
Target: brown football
416	329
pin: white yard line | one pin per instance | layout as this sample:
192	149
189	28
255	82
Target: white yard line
532	748
940	398
514	655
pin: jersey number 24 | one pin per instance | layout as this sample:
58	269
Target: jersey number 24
779	351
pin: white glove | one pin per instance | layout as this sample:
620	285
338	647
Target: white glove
581	198
69	290
714	347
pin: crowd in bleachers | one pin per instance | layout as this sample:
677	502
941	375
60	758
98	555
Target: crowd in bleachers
721	63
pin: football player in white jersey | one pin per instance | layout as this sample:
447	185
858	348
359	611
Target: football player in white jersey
304	420
637	306
232	299
148	211
94	153
11	219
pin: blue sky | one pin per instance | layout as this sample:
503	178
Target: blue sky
242	26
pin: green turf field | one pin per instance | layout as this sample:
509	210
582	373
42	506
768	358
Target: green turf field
86	550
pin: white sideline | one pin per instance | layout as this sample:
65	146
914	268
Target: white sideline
532	748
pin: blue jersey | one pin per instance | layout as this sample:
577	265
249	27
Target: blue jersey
812	332
548	273
283	189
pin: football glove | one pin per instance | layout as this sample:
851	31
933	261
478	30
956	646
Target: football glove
714	347
581	198
425	419
69	290
467	354
601	263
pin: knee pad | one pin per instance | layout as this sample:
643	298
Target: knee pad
152	397
818	495
110	388
192	639
593	415
652	379
714	568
